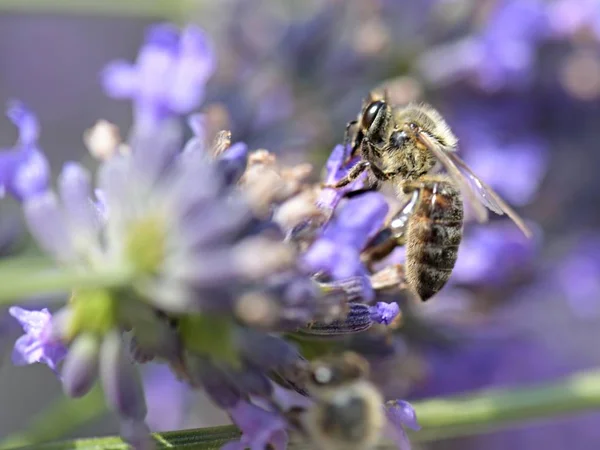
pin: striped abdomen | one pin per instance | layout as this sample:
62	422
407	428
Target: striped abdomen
434	234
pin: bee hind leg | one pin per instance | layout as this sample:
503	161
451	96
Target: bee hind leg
390	278
427	181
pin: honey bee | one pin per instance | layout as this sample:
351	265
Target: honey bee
348	413
402	145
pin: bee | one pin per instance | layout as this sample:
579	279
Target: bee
348	412
403	145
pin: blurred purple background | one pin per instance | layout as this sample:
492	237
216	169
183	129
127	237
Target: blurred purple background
519	82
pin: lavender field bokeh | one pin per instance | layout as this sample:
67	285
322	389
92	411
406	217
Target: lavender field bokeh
519	83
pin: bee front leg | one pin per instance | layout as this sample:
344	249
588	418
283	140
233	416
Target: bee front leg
371	184
352	175
348	139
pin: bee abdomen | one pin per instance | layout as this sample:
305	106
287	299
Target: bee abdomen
434	235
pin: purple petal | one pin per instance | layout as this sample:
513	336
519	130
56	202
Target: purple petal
80	369
114	177
154	149
163	35
384	313
155	63
27	350
197	144
259	427
401	413
24	171
233	162
336	170
195	65
25	121
100	205
38	343
335	163
358	220
287	399
120	379
47	224
137	434
168	399
33	322
264	350
32	177
340	262
75	186
197	123
120	80
398	436
221	390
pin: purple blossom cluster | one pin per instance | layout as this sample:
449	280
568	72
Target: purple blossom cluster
519	83
206	235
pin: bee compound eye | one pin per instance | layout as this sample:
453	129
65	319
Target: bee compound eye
371	113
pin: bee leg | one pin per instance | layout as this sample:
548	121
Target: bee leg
426	181
390	278
399	221
371	185
348	139
352	175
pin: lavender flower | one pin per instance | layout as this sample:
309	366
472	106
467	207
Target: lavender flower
24	170
169	76
209	279
38	343
337	251
385	313
499	55
400	414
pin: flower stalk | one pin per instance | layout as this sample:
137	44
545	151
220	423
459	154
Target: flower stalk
16	284
441	418
165	9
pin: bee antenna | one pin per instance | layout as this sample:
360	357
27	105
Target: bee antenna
386	95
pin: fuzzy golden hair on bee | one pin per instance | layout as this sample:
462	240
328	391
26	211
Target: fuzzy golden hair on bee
430	121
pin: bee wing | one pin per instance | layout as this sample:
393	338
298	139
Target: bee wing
479	194
443	157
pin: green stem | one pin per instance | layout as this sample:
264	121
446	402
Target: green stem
441	418
164	9
489	410
20	282
199	439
